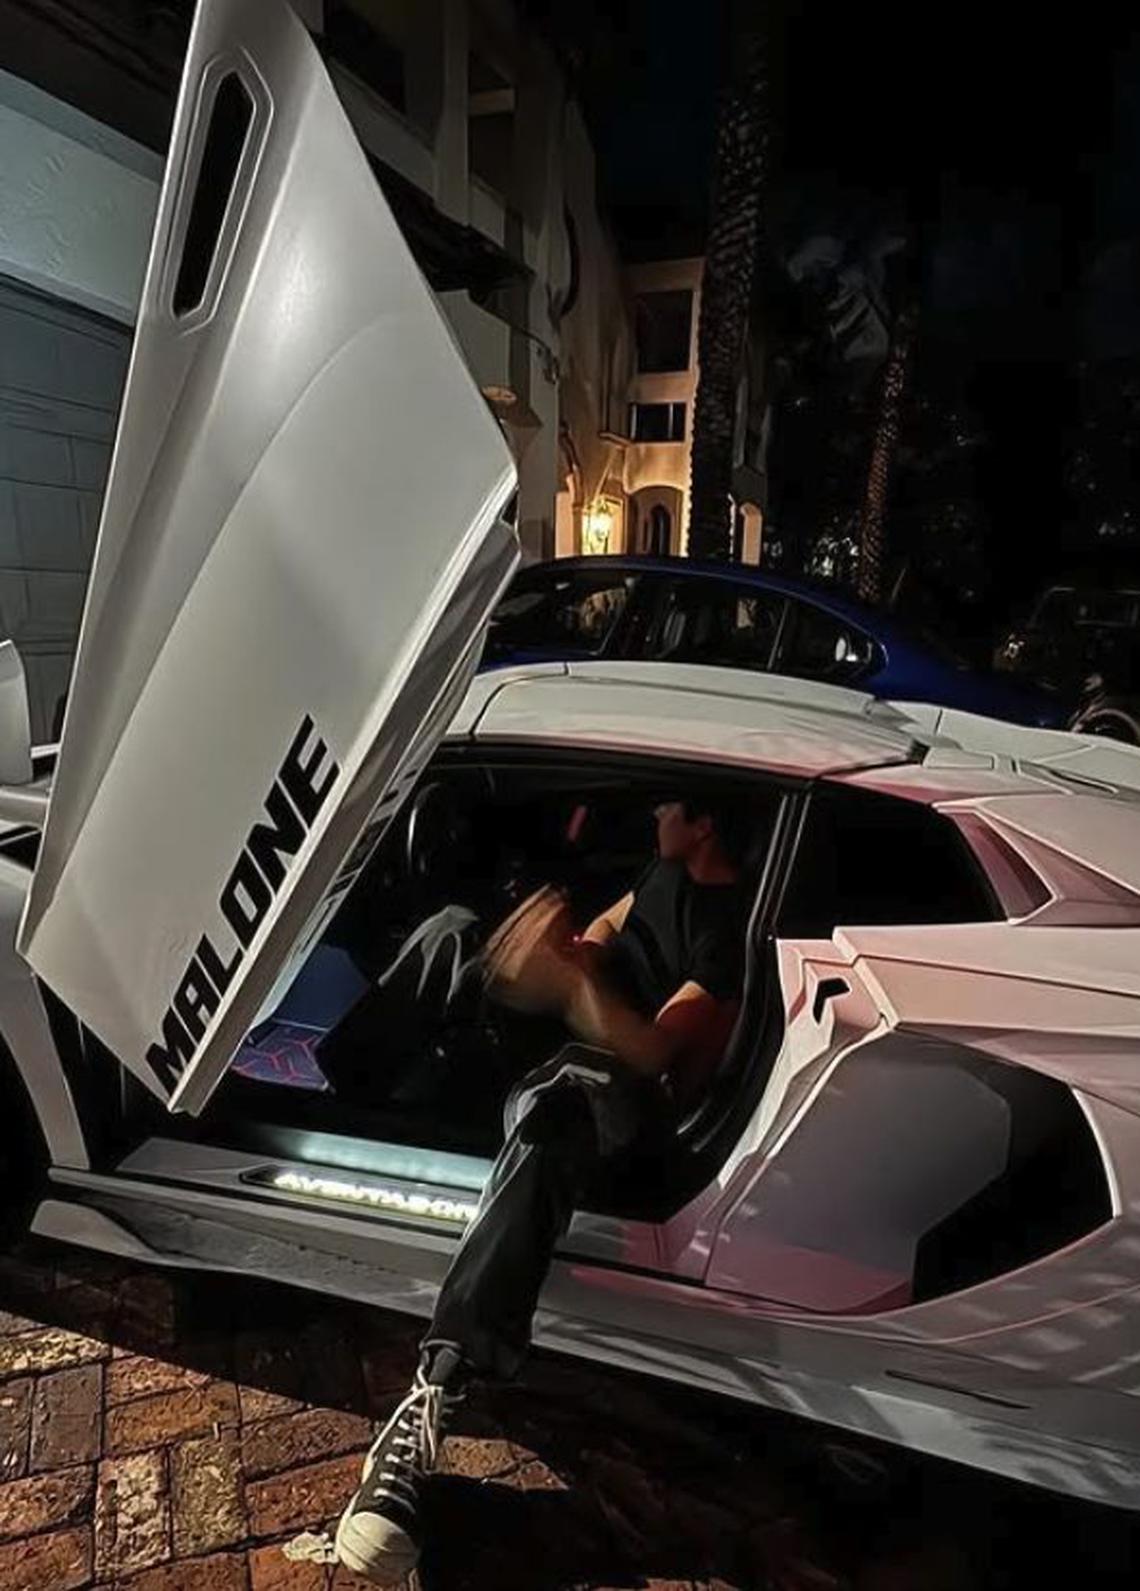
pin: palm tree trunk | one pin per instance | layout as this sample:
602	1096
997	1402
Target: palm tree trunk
738	187
872	518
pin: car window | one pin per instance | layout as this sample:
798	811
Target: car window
817	645
867	860
573	613
1113	609
1057	607
715	622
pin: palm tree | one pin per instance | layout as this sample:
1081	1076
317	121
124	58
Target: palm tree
872	517
739	179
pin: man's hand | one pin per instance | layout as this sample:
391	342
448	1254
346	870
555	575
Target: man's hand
529	962
533	963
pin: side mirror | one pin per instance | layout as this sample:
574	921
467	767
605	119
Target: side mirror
15	725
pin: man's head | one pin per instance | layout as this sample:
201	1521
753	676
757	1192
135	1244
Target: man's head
694	831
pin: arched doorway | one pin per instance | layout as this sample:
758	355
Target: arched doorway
656	512
659	532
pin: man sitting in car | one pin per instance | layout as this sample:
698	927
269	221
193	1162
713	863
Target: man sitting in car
651	991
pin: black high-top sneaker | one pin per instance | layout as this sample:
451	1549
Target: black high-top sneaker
378	1535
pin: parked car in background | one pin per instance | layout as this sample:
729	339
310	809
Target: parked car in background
678	610
1084	641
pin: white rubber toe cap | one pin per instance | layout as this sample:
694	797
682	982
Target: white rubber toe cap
375	1548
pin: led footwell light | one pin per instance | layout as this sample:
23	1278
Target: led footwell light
372	1195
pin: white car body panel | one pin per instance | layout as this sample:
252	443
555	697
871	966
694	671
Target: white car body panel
15	726
280	544
24	806
300	544
699	720
24	1029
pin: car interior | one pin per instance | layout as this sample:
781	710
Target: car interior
388	1033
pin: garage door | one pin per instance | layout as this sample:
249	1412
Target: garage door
61	378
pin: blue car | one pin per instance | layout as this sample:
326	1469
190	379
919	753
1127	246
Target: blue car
737	616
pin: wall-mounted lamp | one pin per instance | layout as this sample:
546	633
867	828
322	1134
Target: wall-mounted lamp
597	526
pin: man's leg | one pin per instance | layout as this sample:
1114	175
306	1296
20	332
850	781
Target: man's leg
562	1121
551	1155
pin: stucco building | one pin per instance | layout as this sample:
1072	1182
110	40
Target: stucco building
466	116
667	300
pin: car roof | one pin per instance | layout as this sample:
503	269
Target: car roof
731	718
716	715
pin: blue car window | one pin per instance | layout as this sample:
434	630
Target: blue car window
715	622
571	614
817	645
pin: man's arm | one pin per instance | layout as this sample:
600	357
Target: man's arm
691	1023
534	965
534	960
590	947
608	924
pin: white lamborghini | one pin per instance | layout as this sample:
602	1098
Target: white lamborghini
240	901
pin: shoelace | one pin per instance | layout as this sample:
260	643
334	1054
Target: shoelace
412	1437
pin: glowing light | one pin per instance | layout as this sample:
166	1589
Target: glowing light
597	526
373	1195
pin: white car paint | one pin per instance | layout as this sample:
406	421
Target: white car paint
1033	1374
303	396
702	725
301	528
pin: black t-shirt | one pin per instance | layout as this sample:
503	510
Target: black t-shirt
679	932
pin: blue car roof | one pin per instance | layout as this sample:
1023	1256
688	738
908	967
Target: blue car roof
823	596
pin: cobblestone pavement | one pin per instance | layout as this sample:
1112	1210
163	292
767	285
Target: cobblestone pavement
173	1432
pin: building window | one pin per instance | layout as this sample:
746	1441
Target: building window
490	124
373	58
657	422
664	330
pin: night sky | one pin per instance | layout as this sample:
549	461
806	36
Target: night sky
1025	134
1014	139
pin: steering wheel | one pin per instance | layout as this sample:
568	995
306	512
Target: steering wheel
437	830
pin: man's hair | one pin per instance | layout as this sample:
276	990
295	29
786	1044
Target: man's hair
731	820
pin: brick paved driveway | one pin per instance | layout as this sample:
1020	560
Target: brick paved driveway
173	1432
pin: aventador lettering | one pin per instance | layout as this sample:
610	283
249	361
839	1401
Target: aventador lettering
296	796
